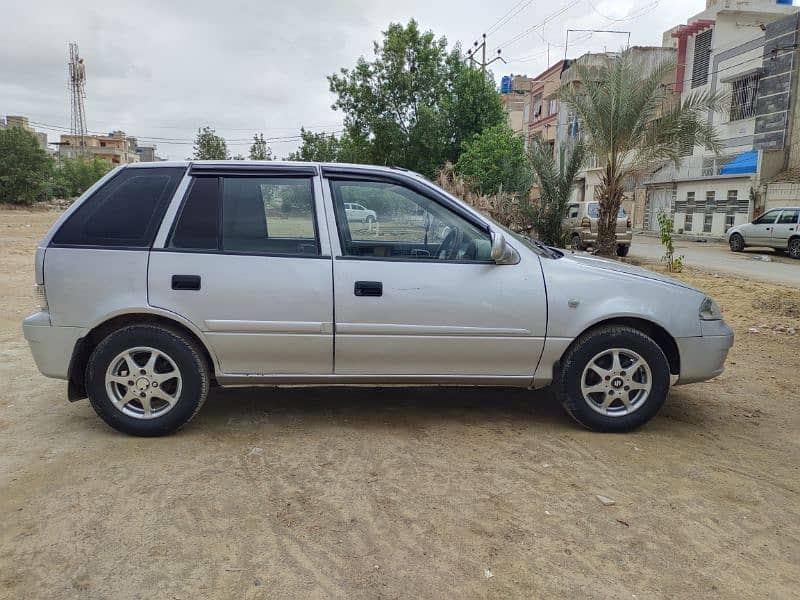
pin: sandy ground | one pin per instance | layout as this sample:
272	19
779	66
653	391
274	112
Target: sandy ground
405	493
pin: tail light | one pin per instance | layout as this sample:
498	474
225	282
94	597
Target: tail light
41	295
628	224
586	222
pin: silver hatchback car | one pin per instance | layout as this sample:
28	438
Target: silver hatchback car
777	228
163	280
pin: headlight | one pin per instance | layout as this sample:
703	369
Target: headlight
709	310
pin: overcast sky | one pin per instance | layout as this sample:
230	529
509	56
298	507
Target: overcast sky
162	69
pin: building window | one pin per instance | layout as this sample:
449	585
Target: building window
689	210
702	56
707	222
743	97
553	108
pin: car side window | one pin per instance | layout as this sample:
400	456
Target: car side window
269	215
197	226
573	211
767	218
409	225
788	217
125	212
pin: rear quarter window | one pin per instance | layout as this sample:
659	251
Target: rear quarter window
125	212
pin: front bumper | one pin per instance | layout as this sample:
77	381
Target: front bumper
703	357
51	346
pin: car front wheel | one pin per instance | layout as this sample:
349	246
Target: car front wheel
613	379
146	380
736	242
623	249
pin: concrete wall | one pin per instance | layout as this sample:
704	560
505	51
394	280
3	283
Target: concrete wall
720	187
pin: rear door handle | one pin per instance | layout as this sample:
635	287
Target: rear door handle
368	288
186	282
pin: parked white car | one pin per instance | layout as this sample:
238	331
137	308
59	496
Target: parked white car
777	228
161	281
357	212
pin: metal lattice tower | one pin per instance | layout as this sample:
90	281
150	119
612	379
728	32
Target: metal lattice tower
77	89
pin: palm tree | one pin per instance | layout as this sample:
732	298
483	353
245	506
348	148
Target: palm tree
554	180
631	121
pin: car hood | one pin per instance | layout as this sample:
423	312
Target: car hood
619	267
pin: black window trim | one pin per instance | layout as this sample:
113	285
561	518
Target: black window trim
349	174
256	173
252	170
137	248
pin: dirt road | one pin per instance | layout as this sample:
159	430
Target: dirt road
404	493
717	257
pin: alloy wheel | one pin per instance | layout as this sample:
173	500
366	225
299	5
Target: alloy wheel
143	383
616	382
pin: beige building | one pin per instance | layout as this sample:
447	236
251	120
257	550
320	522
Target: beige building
115	148
23	123
516	103
542	122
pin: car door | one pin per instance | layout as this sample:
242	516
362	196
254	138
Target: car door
421	298
247	264
785	227
759	232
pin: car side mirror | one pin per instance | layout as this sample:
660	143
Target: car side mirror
502	253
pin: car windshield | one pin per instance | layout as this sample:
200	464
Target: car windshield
594	211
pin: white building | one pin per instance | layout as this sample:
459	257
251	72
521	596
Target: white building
744	50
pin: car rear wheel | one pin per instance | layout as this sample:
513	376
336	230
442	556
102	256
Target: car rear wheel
623	249
736	242
146	380
613	379
575	242
794	247
370	219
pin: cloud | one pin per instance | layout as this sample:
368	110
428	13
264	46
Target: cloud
161	70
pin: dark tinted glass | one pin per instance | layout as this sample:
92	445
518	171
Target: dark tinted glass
125	212
788	217
268	215
198	222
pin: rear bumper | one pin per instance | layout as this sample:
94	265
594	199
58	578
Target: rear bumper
703	357
51	346
590	237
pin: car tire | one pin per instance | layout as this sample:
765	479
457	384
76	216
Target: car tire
593	388
736	242
369	219
576	244
623	249
146	380
794	248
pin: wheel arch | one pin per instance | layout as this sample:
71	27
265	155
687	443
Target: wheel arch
656	332
76	388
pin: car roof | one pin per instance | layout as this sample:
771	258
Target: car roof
273	163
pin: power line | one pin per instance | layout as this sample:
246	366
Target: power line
554	15
509	15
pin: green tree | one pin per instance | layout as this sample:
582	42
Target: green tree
24	167
317	147
414	104
209	146
75	175
628	120
554	180
495	160
259	149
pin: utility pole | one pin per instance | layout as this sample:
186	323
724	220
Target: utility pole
482	47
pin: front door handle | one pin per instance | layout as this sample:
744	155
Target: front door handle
186	282
368	288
